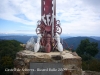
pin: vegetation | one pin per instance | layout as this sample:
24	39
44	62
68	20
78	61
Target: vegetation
75	41
8	50
87	50
92	65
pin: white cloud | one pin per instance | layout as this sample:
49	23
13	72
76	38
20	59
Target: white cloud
79	17
30	9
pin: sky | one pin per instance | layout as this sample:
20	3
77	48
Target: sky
77	17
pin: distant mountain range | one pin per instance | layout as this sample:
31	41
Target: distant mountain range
75	41
22	39
97	38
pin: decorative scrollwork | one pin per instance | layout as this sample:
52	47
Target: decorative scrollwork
38	29
58	28
58	22
39	22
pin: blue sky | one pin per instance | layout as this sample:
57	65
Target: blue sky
78	17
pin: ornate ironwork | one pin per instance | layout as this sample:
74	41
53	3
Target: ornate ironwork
48	27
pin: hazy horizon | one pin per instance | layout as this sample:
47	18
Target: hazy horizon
10	34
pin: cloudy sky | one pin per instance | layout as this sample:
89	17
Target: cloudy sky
78	17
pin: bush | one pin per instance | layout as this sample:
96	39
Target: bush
8	50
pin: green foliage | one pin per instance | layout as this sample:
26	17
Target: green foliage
87	49
92	65
8	50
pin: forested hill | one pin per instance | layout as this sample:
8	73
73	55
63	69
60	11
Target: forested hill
22	39
8	50
75	41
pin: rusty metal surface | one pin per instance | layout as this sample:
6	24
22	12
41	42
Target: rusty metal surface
48	25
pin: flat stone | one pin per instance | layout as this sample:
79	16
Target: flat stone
70	61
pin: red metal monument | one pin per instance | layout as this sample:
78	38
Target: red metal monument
48	29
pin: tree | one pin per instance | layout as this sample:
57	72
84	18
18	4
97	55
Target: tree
8	50
87	49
